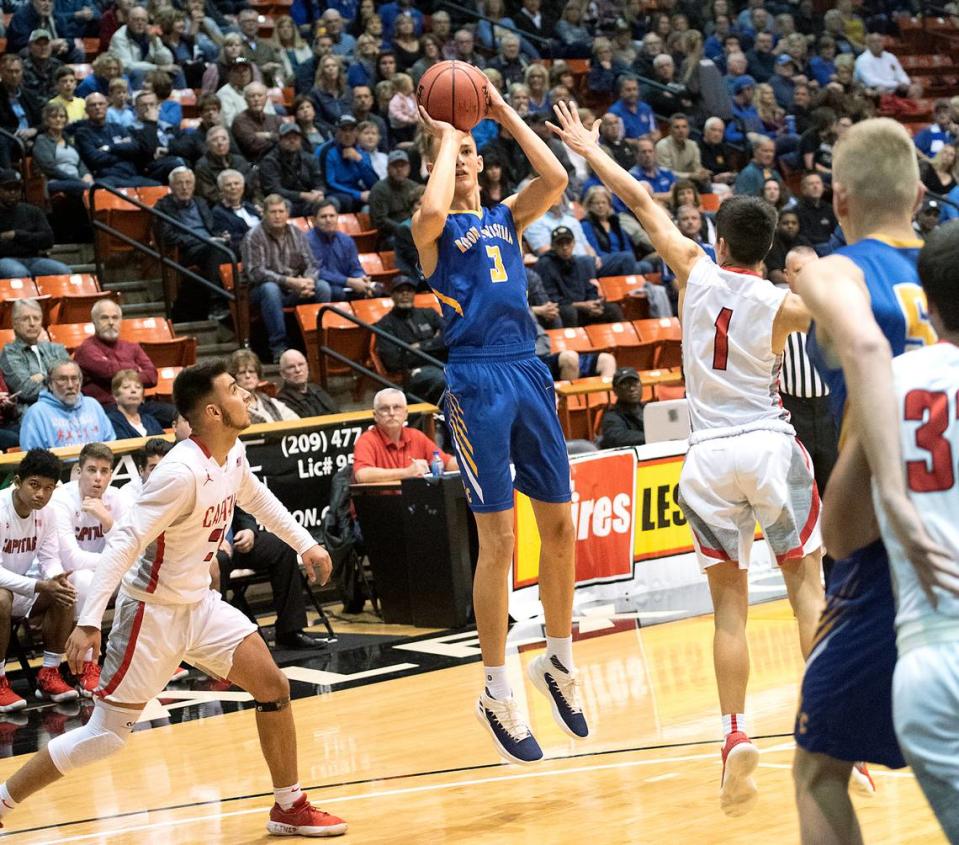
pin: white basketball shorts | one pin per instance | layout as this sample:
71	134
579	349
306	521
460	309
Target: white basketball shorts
728	484
148	642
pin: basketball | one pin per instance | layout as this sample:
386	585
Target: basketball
454	92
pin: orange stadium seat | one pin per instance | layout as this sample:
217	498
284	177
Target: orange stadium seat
666	392
70	335
373	266
6	336
73	295
11	290
346	338
164	385
174	352
372	310
709	202
658	328
622	341
358	227
396	378
427	300
562	339
670	354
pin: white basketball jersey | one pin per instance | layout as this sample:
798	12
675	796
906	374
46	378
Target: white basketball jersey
732	375
927	392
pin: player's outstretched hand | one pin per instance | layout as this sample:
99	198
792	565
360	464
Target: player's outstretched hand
437	128
83	637
934	568
571	130
316	561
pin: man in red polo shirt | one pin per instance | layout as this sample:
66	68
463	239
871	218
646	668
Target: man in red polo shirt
388	450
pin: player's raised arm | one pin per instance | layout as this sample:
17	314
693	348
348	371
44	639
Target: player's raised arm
533	201
429	221
678	251
834	291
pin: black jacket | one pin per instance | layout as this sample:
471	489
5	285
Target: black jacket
622	427
33	232
316	402
225	221
109	150
567	282
289	175
32	108
172	236
417	325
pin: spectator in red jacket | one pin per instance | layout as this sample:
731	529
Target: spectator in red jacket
102	356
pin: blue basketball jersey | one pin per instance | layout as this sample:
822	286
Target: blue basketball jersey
898	304
480	281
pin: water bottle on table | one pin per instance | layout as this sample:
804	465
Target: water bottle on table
436	466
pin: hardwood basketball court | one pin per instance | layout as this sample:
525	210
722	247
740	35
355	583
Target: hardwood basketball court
404	761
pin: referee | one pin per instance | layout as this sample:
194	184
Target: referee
804	393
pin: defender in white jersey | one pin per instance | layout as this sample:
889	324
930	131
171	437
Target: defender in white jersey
32	581
85	511
926	678
744	463
166	611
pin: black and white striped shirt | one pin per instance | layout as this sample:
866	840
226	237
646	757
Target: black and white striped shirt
799	377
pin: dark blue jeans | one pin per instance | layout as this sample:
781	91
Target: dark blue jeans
272	299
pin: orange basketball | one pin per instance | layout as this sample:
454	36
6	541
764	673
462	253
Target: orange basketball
454	92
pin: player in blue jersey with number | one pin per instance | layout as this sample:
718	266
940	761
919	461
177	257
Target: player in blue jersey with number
868	306
501	409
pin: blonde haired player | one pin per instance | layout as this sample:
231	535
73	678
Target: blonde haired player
744	462
166	611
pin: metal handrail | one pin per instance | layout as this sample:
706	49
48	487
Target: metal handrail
332	353
241	295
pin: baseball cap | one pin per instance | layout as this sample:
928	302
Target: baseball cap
345	120
402	282
397	155
744	81
624	374
562	233
786	59
287	128
39	35
9	177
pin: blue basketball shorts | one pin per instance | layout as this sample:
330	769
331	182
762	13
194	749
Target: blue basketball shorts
502	410
845	710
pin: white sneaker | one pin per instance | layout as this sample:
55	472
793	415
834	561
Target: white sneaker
508	729
562	688
861	781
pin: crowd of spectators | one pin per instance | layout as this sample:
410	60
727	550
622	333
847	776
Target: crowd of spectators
317	118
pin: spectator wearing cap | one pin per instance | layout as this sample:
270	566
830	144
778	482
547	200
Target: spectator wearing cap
927	218
762	60
280	267
142	52
746	124
25	234
257	127
637	117
623	421
40	14
20	109
784	80
293	173
880	71
940	132
239	73
421	328
391	199
194	300
233	216
349	171
336	259
570	281
40	67
760	169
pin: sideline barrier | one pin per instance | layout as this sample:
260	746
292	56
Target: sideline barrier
631	534
295	459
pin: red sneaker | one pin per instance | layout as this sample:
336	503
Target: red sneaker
9	700
50	684
303	819
738	793
89	679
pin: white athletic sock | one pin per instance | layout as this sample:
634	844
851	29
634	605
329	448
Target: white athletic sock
497	684
6	802
52	659
287	796
562	649
3	670
88	656
733	722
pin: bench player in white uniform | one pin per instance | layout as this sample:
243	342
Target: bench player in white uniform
32	581
744	462
85	511
166	611
926	679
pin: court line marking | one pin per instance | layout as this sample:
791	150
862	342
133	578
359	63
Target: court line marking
388	793
380	779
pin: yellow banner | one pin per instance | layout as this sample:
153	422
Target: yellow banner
660	527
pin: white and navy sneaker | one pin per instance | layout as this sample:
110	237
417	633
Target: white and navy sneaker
561	687
506	725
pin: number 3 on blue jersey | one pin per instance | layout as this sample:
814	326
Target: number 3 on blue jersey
497	272
912	300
